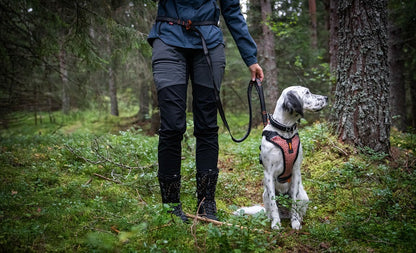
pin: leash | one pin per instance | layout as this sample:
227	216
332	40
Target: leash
189	25
259	89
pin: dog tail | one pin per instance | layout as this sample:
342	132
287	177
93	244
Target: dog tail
249	210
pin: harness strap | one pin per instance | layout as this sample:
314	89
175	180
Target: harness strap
290	151
189	25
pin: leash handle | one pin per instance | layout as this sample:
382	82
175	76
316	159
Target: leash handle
259	88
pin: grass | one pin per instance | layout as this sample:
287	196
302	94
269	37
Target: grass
53	198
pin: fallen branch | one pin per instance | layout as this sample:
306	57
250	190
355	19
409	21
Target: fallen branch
106	178
75	153
335	146
140	197
121	165
104	159
114	229
88	182
219	223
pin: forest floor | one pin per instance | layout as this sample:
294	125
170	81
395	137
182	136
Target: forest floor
83	185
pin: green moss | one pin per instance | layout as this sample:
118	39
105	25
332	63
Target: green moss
53	201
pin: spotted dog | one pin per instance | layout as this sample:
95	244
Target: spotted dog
281	155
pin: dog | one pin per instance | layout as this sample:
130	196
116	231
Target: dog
281	155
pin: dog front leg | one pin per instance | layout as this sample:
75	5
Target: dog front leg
269	200
300	204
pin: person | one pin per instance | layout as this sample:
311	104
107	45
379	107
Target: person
177	39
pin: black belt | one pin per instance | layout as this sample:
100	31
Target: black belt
190	25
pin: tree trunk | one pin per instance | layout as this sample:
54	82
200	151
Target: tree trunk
63	72
413	103
333	35
268	55
145	83
314	32
361	109
143	103
112	88
397	85
155	120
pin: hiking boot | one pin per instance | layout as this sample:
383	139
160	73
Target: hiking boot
206	186
170	190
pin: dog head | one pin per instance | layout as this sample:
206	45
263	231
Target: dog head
296	99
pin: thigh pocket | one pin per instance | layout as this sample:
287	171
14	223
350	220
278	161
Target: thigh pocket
169	65
202	75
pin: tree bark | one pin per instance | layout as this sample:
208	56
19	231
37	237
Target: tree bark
113	91
63	73
268	55
413	103
144	102
397	85
361	109
112	87
314	32
333	35
155	120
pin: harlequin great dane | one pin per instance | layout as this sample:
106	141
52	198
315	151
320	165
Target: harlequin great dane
281	155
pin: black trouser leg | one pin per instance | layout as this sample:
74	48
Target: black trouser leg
172	101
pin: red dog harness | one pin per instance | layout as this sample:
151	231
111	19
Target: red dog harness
290	150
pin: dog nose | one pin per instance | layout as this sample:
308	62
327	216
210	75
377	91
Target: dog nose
326	99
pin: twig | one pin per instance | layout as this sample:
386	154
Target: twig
140	197
88	182
96	150
114	229
105	159
70	149
340	149
162	226
193	227
106	178
219	223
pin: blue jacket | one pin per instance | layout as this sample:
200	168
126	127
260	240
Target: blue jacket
204	10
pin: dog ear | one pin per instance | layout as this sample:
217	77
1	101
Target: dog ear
293	103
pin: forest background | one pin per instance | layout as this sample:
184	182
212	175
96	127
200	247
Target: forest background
77	95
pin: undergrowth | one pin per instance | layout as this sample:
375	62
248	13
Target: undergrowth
87	192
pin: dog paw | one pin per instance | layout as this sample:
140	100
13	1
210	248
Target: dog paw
276	225
296	225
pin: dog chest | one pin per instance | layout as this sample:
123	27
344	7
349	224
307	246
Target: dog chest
290	150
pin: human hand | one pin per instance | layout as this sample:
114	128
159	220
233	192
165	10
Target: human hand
256	72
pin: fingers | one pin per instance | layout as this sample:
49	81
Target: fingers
256	72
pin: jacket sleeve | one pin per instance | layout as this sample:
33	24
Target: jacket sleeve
237	25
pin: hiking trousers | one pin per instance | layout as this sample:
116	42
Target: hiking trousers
172	68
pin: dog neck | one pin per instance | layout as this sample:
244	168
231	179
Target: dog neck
282	116
281	127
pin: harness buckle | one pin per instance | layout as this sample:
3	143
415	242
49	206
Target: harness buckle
188	24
